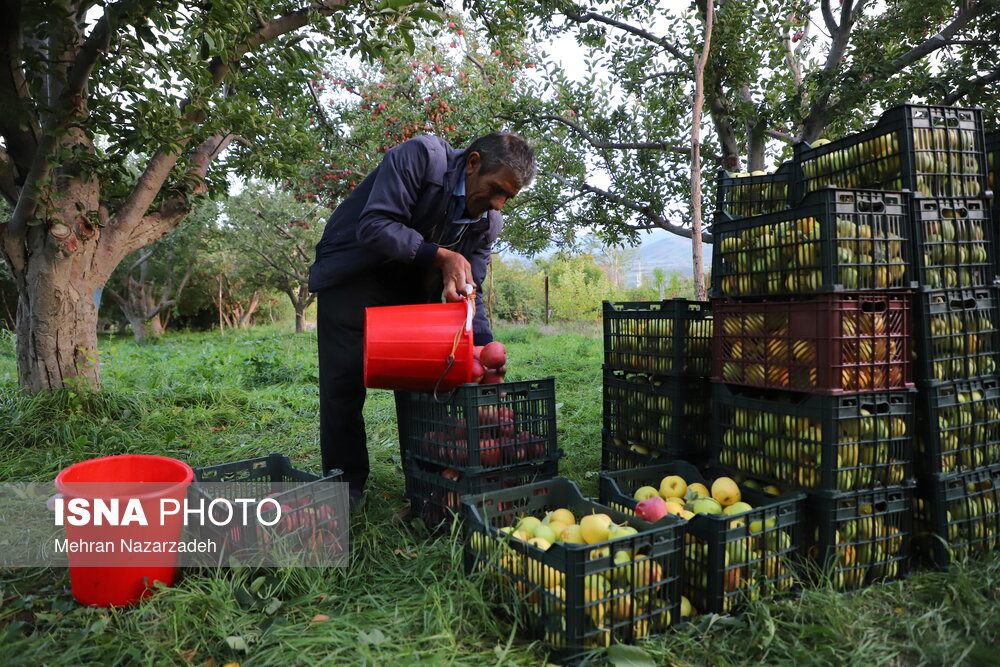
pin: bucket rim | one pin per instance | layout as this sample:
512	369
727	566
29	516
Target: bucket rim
156	489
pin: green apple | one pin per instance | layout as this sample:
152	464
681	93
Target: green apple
706	505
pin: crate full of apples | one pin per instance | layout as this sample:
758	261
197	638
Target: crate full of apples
583	575
481	426
933	151
740	540
671	337
824	343
654	416
834	241
957	334
435	492
812	441
743	195
959	426
862	537
957	515
955	242
992	167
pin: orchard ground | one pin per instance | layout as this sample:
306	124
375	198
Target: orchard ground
206	399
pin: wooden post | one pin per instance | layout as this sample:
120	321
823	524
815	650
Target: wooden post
546	299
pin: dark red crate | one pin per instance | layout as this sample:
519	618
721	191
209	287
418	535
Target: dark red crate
744	196
815	442
955	241
862	537
822	344
957	516
958	427
481	427
956	334
837	240
671	337
656	416
933	151
435	492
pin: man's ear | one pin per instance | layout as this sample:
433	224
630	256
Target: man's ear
472	162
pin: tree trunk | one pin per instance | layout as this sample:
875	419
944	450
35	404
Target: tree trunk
700	294
300	318
155	326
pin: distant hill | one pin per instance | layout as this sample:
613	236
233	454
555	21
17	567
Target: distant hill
669	252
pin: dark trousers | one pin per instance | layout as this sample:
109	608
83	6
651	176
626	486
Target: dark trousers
340	321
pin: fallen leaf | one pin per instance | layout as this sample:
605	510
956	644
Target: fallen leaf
188	655
319	618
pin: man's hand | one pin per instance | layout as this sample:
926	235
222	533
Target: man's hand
456	273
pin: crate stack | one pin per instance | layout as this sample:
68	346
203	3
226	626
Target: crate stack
484	438
656	394
992	168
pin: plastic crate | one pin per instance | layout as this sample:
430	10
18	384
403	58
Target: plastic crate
657	416
481	427
993	168
957	335
860	538
835	241
746	196
313	507
959	426
935	151
822	344
726	560
617	457
576	596
956	516
435	492
815	442
672	337
956	243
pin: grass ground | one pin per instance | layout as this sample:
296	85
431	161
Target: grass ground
404	599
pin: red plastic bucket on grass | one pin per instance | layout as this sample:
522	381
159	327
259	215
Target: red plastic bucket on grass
407	347
144	477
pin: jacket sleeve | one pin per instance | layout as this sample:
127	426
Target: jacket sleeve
385	224
480	261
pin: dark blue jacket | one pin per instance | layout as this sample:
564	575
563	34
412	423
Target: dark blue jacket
392	214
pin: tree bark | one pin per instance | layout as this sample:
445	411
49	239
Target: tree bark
700	294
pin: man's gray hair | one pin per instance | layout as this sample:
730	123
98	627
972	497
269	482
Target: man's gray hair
503	149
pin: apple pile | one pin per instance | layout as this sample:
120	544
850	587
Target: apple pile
500	440
758	349
647	345
489	363
311	525
751	561
955	252
946	162
629	590
972	522
786	257
757	196
960	341
869	448
968	432
641	419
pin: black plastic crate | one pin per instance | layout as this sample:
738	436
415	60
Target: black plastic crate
959	426
957	334
836	240
993	168
312	509
862	537
819	344
934	151
726	557
657	416
815	442
576	597
672	337
744	196
955	241
435	492
618	456
481	426
956	516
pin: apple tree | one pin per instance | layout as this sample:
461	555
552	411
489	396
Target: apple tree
188	91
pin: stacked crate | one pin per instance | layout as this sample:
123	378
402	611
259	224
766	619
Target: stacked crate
656	396
483	438
992	168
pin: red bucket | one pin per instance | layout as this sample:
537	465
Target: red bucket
407	347
147	479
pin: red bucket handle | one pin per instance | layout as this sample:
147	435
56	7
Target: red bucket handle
470	311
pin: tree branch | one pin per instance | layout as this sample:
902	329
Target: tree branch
18	126
831	23
935	42
969	86
586	17
643	209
